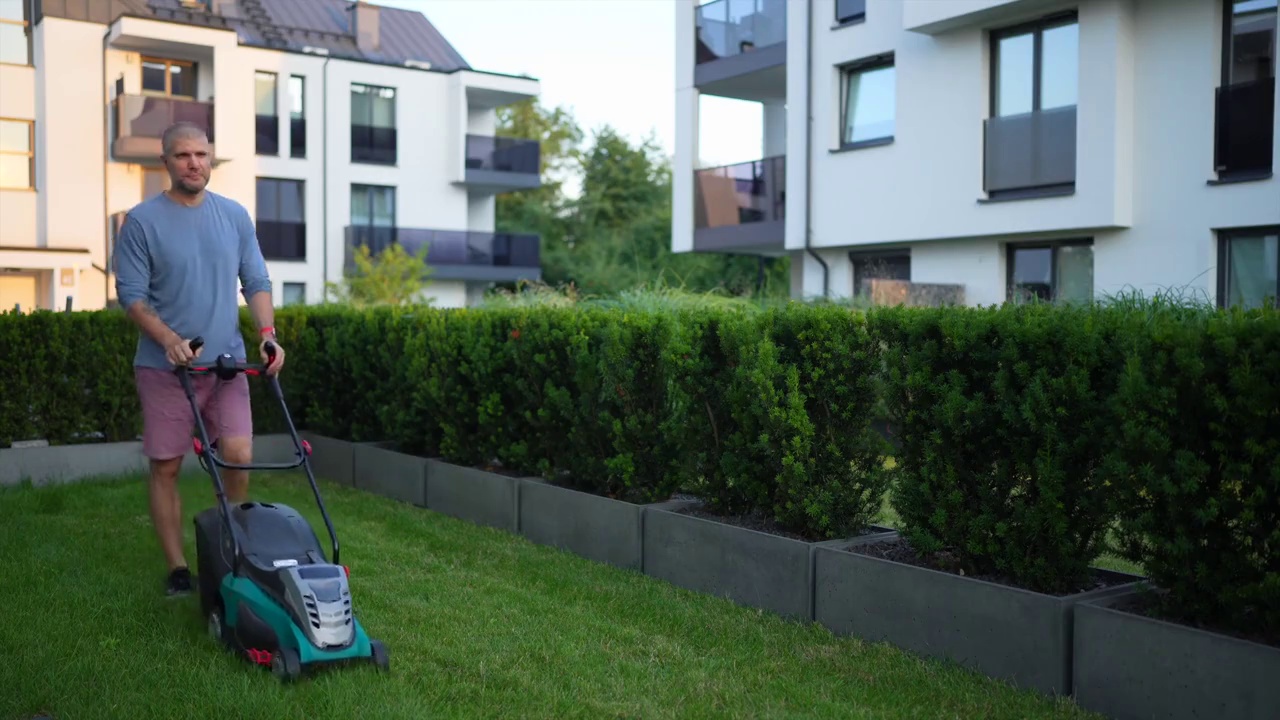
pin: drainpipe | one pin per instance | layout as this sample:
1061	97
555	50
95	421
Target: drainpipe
808	153
106	171
324	181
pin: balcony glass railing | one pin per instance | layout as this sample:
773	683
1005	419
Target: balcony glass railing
732	27
147	116
1245	132
503	154
452	247
749	192
1030	151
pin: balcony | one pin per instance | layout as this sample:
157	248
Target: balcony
140	122
741	208
373	145
1245	129
500	164
1030	153
741	49
457	254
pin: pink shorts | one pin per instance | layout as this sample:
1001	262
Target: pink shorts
167	421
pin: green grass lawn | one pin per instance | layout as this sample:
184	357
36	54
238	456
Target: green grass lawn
480	623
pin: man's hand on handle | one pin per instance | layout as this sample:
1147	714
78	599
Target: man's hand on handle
179	351
274	359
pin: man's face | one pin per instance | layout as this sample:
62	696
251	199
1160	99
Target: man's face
189	165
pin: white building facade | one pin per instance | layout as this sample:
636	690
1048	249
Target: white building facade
995	148
334	123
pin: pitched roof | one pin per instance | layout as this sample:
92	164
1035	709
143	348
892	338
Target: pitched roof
292	25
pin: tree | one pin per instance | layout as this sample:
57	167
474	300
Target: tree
392	277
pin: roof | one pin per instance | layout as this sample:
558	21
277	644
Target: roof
291	25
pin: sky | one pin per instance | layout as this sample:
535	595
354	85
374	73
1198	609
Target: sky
609	61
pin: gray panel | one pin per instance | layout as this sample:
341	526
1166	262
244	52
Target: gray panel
1003	632
485	273
748	236
391	474
744	63
1130	667
500	180
1030	150
748	567
597	528
472	494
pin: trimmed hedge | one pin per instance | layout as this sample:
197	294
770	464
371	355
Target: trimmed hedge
1027	434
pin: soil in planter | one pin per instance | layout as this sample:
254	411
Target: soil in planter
900	551
1152	605
752	521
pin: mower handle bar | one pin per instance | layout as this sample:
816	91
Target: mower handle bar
226	368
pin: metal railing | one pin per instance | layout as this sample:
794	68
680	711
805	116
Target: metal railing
451	247
503	154
742	193
731	27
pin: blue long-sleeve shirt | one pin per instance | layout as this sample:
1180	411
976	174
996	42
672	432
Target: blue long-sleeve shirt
185	263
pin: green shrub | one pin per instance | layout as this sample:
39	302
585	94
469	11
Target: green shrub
1003	420
1196	461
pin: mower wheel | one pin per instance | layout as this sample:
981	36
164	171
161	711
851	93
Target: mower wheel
381	657
286	665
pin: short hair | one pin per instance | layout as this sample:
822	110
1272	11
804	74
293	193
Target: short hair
178	131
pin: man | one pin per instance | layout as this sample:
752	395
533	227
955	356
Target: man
177	261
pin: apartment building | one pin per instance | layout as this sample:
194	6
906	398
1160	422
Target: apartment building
987	150
336	123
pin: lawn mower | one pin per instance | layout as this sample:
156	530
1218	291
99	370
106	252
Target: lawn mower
266	589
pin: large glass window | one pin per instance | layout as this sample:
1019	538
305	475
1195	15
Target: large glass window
174	78
1051	272
373	216
1251	41
15	32
17	155
281	219
1037	67
373	124
297	117
869	102
1249	261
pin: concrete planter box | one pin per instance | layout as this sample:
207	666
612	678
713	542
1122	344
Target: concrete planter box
1004	632
592	526
472	494
331	459
1129	666
749	567
378	469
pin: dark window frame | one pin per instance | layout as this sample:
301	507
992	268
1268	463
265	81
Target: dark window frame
1224	238
851	16
274	240
857	67
372	152
1053	246
298	118
382	236
1037	28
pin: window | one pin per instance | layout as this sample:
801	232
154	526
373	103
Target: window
293	293
268	122
878	266
1245	103
173	78
1249	267
868	102
373	124
848	11
373	216
281	219
1035	67
1249	44
297	117
17	155
1054	271
15	32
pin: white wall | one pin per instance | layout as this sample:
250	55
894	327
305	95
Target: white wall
1148	70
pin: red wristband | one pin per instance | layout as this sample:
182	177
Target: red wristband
266	330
